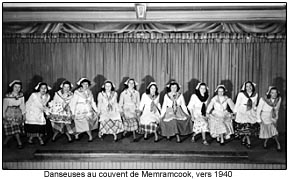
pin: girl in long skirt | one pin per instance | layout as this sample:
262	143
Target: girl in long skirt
36	107
110	119
129	104
84	110
150	109
13	113
220	120
245	110
267	113
197	107
175	117
60	113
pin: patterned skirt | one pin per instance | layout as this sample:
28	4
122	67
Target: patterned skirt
267	131
176	123
200	125
148	128
110	126
13	121
247	129
130	124
62	124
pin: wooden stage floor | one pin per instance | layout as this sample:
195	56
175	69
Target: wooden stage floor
143	154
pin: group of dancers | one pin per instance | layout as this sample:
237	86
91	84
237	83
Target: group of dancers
73	113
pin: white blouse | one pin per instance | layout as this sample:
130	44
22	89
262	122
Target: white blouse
169	103
145	103
104	101
85	97
241	103
220	105
35	108
264	111
195	106
129	98
10	100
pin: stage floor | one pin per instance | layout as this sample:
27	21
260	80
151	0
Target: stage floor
256	154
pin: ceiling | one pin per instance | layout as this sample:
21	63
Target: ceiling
155	12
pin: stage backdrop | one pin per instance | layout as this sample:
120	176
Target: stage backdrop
221	59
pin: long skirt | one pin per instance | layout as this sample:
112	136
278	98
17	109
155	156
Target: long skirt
130	120
267	131
35	130
85	118
62	124
13	121
217	126
176	123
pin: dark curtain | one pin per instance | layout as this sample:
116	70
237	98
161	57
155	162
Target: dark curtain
226	61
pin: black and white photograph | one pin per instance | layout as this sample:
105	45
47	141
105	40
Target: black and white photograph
144	87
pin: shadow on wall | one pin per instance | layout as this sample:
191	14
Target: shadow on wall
191	89
31	85
164	91
56	87
229	86
98	82
144	83
121	87
280	83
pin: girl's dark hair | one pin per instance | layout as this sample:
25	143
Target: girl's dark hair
253	87
41	84
171	84
273	88
126	86
219	88
148	89
66	83
198	90
112	87
10	88
85	80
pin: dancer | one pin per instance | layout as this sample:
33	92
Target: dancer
36	109
60	113
150	109
84	110
267	113
245	110
175	117
14	113
129	104
197	107
110	119
220	120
